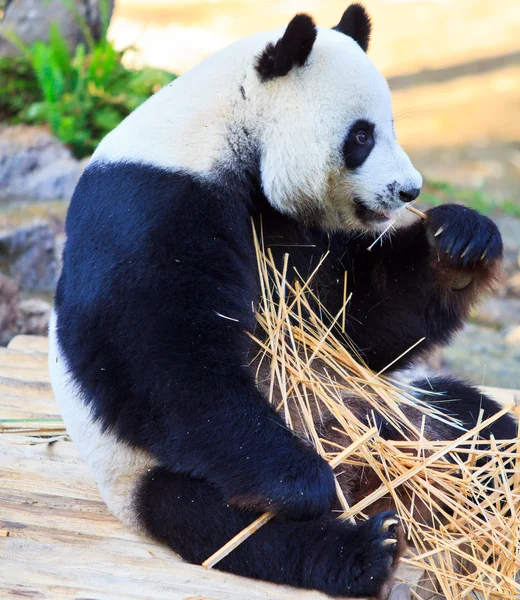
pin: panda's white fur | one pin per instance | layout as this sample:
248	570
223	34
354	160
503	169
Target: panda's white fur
299	121
115	465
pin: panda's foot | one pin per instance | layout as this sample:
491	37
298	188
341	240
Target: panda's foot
381	547
361	560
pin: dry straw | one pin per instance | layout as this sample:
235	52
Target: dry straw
34	427
471	548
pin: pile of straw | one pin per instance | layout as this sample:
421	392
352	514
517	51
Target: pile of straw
471	549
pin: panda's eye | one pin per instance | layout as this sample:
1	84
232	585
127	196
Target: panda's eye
361	137
358	143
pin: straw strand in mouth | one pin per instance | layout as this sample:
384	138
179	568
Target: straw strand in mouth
415	211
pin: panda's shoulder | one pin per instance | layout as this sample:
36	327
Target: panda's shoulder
124	209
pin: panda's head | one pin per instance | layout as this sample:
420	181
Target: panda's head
321	114
303	107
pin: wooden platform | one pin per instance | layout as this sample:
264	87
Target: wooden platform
62	542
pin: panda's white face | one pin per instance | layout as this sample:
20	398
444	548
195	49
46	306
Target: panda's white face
328	145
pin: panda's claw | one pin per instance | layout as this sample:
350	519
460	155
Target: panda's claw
389	523
381	546
389	542
468	239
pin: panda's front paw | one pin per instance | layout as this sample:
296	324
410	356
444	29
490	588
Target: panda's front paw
379	548
304	489
463	237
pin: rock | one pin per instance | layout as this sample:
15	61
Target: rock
482	356
20	316
33	317
499	312
35	165
513	337
28	255
400	591
513	286
510	229
8	309
31	19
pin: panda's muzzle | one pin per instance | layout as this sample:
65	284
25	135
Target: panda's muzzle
370	217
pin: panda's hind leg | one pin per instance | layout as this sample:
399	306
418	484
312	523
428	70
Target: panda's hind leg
459	400
464	402
327	554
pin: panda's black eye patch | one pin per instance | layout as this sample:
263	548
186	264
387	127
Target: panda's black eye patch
358	144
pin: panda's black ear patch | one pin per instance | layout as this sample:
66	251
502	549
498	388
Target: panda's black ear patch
355	23
292	49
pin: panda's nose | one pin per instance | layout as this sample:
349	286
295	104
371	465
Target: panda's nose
409	195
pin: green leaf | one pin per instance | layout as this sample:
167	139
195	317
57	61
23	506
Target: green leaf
107	119
60	50
104	10
17	42
82	23
37	112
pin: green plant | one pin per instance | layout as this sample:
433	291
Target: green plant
81	95
18	86
440	192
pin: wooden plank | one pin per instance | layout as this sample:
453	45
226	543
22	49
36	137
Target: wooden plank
25	374
12	358
63	542
30	343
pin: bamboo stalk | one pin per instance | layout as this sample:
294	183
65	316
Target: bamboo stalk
415	211
471	544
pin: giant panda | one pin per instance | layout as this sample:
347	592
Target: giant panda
149	352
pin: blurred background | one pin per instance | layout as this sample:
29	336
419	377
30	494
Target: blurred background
70	70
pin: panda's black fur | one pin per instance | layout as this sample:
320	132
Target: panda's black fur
155	298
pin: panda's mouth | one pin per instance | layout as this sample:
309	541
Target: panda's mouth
370	217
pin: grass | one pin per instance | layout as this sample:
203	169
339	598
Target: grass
435	193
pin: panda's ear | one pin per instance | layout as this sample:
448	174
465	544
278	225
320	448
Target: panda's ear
355	23
292	49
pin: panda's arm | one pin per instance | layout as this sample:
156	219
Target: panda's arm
153	307
419	283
